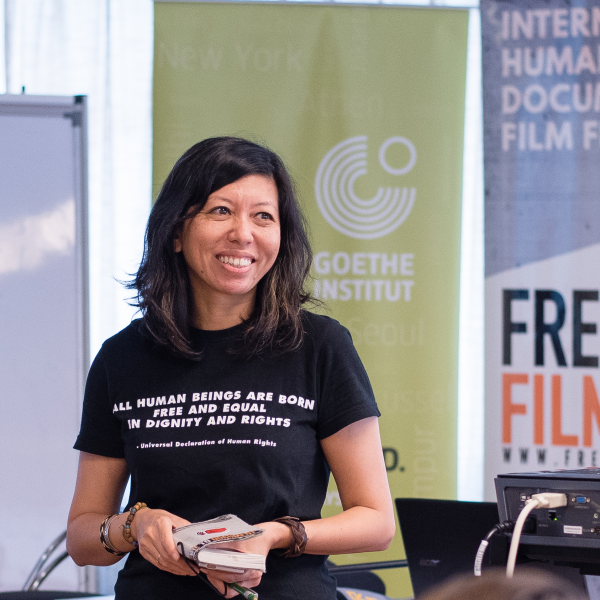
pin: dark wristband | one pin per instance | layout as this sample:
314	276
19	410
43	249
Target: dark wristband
299	537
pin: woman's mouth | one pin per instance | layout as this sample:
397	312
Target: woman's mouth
235	262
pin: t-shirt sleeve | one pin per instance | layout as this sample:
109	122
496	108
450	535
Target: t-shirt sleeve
346	395
100	431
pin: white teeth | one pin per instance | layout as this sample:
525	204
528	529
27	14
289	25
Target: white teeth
235	262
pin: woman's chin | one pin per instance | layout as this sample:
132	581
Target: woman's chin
234	291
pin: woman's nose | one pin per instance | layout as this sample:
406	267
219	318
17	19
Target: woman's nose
241	231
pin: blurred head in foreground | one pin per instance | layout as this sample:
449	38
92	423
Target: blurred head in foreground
527	584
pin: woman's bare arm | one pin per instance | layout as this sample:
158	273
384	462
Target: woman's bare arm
98	492
367	521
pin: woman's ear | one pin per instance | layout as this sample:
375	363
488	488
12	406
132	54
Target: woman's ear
177	242
179	232
177	235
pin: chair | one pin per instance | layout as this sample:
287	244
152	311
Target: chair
360	576
41	571
43	567
364	580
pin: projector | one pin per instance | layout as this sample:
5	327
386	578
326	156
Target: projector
568	534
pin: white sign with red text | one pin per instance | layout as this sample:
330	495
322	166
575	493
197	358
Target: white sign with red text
542	377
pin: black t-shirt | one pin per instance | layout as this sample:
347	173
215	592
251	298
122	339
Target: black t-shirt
225	435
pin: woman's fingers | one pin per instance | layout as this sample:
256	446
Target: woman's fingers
220	579
227	577
222	587
249	583
156	542
166	540
165	561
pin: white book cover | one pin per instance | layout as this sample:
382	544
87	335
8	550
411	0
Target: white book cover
197	542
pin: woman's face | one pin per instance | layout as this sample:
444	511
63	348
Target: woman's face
234	240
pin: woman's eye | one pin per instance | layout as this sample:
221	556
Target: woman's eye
265	216
220	210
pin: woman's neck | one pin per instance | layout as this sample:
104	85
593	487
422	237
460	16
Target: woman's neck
222	312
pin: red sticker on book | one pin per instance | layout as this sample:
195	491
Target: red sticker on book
210	531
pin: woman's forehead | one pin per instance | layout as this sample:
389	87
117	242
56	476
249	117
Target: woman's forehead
257	189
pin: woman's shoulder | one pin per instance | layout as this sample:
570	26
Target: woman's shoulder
315	323
322	328
129	339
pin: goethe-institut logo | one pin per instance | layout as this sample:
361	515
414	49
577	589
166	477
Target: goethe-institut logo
343	209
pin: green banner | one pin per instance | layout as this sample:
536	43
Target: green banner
366	106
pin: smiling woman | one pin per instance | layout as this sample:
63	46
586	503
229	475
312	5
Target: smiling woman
259	399
228	247
237	198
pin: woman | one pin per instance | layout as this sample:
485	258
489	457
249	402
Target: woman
227	397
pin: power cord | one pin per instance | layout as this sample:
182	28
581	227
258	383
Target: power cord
505	527
545	500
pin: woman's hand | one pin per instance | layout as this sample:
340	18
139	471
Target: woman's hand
276	535
153	530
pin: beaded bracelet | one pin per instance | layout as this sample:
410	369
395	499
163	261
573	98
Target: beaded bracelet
105	539
299	537
127	527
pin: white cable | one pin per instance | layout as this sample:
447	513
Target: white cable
479	557
546	500
514	544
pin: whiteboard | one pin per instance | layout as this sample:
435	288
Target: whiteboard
43	325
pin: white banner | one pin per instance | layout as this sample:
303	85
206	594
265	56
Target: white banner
541	80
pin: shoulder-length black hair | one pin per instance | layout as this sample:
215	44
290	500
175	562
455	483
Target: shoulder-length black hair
164	293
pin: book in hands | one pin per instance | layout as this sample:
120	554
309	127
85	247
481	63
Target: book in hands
199	542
